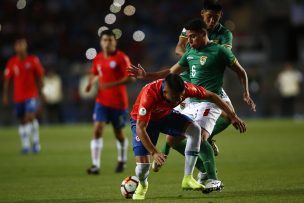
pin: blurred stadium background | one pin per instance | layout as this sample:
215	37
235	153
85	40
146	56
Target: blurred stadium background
64	34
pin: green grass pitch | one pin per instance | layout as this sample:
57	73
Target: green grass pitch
264	165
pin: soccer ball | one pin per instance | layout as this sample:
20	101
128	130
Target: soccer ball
128	186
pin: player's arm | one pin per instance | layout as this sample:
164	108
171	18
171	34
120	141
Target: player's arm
181	46
92	80
141	132
140	73
227	40
202	93
235	120
242	75
125	80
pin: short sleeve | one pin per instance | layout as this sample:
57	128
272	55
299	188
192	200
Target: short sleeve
184	33
94	70
38	67
125	63
183	60
228	56
227	40
145	107
195	91
8	72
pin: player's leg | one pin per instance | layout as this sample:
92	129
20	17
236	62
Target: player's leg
207	115
31	106
178	125
24	128
142	159
96	144
118	119
221	123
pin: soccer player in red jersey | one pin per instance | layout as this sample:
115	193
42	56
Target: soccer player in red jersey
110	67
153	113
25	70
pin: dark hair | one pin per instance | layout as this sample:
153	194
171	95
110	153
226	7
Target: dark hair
175	83
196	25
108	33
212	5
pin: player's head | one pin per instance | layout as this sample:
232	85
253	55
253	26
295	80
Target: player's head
197	33
211	13
108	41
174	89
20	46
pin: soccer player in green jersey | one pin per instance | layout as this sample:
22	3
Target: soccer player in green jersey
206	62
217	33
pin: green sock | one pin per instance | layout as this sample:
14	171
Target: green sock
166	149
221	124
181	149
207	155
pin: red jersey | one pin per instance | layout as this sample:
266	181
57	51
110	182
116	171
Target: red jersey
24	74
151	105
109	70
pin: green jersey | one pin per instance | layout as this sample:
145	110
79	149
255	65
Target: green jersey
219	35
207	66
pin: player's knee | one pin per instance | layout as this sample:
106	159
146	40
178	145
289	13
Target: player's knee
119	134
204	135
98	130
193	130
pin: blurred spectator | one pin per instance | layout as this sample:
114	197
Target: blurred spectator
53	97
288	81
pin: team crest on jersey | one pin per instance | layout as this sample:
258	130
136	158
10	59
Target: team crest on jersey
203	60
142	111
27	65
113	64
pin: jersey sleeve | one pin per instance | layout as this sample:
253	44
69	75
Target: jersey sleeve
228	56
8	72
227	40
94	70
195	91
184	33
183	60
145	107
39	70
125	63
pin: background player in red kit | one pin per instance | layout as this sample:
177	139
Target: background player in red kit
110	66
153	113
25	70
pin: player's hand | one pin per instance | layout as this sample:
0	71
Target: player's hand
238	124
249	101
5	100
137	71
159	158
88	88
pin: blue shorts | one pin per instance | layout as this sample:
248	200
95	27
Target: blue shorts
28	106
174	124
117	117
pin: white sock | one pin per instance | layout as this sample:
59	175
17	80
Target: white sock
122	149
193	134
142	173
24	136
35	132
96	147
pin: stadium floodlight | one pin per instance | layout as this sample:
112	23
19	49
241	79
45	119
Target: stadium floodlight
91	53
110	18
115	8
129	10
138	36
21	4
119	2
101	29
117	33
